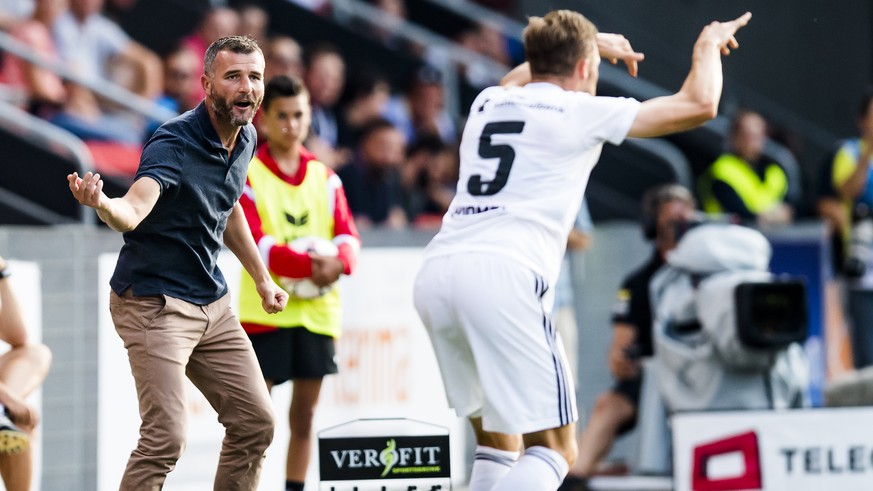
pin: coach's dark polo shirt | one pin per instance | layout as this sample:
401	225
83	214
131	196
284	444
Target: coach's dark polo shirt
175	249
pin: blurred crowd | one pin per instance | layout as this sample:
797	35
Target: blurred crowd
394	144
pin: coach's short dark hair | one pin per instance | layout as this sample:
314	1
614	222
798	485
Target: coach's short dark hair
282	86
236	44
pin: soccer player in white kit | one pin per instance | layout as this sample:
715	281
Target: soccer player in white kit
483	292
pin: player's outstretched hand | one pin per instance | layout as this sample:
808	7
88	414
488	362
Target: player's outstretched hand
88	189
722	33
614	47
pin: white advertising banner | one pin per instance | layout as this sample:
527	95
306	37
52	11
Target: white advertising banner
800	450
387	370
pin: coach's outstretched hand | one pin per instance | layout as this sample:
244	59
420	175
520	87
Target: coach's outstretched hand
614	47
722	33
88	189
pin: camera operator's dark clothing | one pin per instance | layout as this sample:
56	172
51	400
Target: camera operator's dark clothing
633	307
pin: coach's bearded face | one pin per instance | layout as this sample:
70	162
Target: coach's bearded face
235	86
238	110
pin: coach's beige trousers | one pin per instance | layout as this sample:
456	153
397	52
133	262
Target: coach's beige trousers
167	340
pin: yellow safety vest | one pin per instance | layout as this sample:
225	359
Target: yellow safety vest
289	212
758	196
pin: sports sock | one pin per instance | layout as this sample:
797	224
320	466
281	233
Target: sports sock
293	486
539	469
489	466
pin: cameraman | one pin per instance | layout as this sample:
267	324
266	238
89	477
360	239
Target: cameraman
665	210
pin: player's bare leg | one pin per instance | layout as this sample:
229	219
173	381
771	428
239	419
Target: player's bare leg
547	456
611	411
496	454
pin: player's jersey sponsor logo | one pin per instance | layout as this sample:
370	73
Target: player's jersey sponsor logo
473	210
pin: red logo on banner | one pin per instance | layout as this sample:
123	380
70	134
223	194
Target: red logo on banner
747	444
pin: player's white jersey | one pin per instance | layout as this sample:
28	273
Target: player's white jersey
526	155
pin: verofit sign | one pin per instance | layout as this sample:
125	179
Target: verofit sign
394	455
813	450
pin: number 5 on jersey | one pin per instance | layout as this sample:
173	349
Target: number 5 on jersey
475	185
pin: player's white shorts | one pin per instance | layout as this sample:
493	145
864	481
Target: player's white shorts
499	353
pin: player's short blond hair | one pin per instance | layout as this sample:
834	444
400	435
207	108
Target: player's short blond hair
554	43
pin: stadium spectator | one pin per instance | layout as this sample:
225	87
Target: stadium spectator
394	12
22	370
505	7
96	47
428	176
743	181
180	210
325	79
665	208
181	69
320	7
364	98
442	180
284	57
847	206
217	22
14	11
39	89
372	179
325	74
421	110
485	39
284	180
526	155
254	22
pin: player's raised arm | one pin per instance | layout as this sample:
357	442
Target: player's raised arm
615	47
697	100
612	47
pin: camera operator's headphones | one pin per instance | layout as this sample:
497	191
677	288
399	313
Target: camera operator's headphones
657	196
